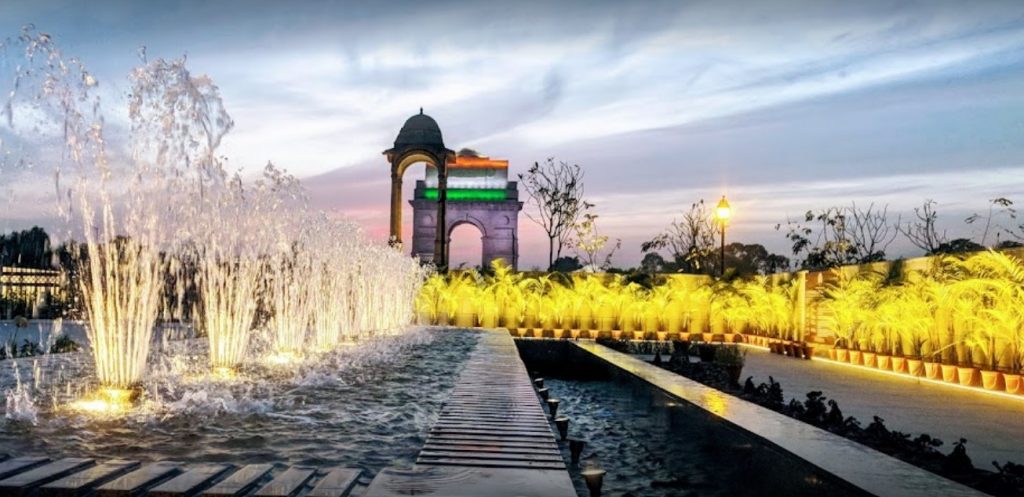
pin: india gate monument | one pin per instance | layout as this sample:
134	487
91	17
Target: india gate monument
458	188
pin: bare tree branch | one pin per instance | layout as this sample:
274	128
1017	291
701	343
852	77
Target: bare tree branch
556	192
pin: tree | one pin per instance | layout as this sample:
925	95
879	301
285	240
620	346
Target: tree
589	243
923	232
998	207
566	265
27	248
841	235
958	246
556	192
751	259
690	241
653	262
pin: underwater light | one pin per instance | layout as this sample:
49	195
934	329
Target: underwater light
106	400
282	358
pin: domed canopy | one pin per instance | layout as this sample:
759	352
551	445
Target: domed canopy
420	129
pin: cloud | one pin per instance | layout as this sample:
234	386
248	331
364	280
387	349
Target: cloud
661	102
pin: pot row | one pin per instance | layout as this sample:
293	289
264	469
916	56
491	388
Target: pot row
968	376
788	348
632	335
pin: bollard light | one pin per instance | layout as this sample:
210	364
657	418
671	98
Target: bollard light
538	382
576	449
553	407
543	393
562	423
594	478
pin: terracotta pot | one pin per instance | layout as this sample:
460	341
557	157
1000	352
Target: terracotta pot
914	367
899	365
593	334
1013	383
707	337
832	354
730	338
855	357
684	336
992	380
842	355
869	359
489	321
574	334
638	335
662	335
616	334
884	362
521	332
969	376
949	373
793	349
808	351
932	371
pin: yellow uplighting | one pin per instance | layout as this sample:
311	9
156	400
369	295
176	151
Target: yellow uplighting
714	401
282	358
105	401
225	373
1018	398
996	393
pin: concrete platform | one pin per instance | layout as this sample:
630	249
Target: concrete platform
492	438
992	425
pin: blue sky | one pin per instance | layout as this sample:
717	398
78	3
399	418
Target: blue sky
784	106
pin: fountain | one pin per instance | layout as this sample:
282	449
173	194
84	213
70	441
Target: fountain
299	346
168	234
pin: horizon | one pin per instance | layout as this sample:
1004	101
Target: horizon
662	104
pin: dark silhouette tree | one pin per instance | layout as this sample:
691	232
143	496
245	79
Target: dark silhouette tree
923	232
555	190
689	241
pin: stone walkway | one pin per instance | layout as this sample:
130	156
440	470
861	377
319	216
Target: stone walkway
492	438
992	425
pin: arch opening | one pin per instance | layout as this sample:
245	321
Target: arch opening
465	245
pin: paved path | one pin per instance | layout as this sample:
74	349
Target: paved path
992	425
493	437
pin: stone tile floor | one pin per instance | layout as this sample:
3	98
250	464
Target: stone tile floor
993	426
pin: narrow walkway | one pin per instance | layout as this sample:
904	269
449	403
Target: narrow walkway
492	438
993	426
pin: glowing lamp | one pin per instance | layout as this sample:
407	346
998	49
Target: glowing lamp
722	213
723	210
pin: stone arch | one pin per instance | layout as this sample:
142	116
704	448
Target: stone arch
455	222
496	222
420	140
475	223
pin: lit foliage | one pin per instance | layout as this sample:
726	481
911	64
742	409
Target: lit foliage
965	311
607	302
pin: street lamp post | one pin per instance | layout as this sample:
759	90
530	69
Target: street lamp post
722	213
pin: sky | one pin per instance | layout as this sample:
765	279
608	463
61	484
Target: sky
784	106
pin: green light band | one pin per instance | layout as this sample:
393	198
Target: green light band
466	194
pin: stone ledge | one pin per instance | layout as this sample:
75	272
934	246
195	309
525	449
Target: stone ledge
864	468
